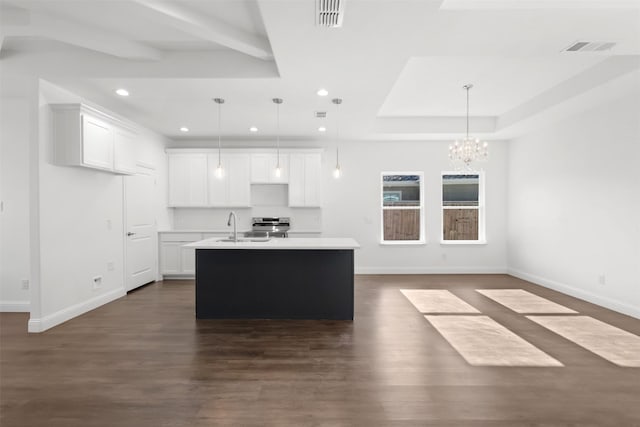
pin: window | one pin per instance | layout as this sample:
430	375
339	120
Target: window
462	208
402	208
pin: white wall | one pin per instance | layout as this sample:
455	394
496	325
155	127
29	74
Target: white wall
80	226
574	204
15	123
351	207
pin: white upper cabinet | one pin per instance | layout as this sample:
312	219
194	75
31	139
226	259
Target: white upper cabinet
124	151
304	179
263	168
97	142
193	181
188	179
234	188
84	136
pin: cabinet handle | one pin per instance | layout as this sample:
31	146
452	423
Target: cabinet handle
130	233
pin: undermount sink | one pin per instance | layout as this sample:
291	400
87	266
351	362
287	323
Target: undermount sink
244	239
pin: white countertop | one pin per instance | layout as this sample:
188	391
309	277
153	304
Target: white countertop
275	243
230	231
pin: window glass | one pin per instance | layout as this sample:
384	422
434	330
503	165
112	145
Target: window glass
462	207
402	210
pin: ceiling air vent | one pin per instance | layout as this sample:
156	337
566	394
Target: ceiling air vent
321	114
329	13
585	46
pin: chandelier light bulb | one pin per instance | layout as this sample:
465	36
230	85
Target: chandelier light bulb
278	172
337	172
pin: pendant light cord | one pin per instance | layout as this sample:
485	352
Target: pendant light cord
468	87
278	135
337	135
337	102
219	134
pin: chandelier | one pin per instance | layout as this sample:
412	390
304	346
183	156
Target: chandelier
469	149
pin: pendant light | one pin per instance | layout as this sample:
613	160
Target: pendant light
278	171
219	169
469	149
337	172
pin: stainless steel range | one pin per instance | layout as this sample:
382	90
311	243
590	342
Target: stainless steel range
269	227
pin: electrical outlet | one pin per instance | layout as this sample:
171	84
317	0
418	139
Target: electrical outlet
97	282
25	284
111	266
109	224
444	257
602	279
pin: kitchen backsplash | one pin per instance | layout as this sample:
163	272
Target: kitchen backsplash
302	219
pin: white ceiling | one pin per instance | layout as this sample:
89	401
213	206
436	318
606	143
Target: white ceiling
399	65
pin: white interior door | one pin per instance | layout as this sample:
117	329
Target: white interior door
140	230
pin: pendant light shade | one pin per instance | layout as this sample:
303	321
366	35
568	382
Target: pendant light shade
337	172
219	170
278	171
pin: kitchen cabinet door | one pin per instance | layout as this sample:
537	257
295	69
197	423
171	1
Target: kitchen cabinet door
188	180
124	152
170	257
304	180
296	180
312	175
239	180
97	143
263	168
187	260
234	188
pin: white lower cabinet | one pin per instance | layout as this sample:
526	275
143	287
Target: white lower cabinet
188	260
175	259
170	260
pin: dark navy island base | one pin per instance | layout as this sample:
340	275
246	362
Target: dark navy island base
274	284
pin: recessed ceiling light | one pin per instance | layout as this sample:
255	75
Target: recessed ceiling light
122	92
322	129
184	129
253	129
322	92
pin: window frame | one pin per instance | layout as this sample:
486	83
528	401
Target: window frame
422	240
482	236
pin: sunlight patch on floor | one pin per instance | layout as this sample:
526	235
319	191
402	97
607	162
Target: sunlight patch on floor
437	301
611	343
481	341
522	301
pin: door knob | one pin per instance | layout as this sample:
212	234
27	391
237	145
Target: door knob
130	233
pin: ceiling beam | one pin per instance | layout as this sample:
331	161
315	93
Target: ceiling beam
210	29
10	15
433	125
81	35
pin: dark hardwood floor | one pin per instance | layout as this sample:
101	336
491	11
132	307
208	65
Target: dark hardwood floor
144	360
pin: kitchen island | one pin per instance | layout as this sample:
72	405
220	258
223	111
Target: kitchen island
287	278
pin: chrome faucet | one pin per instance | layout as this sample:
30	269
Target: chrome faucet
232	214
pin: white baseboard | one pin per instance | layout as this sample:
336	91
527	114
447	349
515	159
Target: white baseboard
600	300
15	306
431	270
61	316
